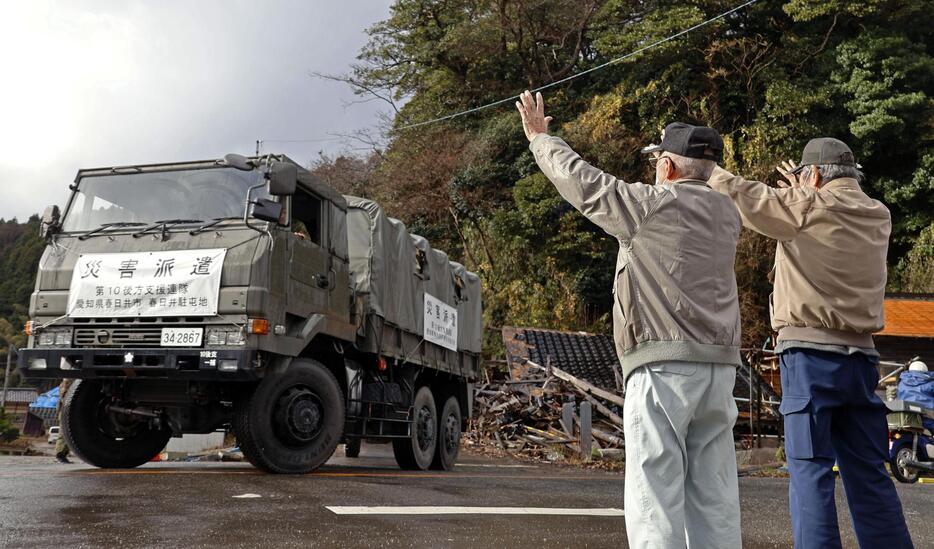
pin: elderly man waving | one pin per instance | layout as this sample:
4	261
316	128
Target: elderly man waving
830	279
676	326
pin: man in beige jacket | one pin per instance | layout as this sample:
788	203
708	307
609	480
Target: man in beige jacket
829	276
676	326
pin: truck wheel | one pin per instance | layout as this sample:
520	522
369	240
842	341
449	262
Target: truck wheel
900	470
293	421
106	439
417	451
449	436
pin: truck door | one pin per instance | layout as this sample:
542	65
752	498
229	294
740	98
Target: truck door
309	279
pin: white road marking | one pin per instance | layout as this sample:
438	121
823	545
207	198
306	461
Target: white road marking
245	496
494	466
429	510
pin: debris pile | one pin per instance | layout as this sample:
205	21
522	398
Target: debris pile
541	412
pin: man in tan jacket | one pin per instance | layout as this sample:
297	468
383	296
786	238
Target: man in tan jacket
829	276
676	326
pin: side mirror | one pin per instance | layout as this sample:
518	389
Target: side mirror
267	210
49	225
283	177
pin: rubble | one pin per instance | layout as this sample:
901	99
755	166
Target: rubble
537	414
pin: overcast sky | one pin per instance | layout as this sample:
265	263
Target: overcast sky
102	83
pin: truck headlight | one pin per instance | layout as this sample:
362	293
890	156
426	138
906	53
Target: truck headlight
216	337
225	336
54	337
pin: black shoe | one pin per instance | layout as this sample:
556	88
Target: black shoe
62	458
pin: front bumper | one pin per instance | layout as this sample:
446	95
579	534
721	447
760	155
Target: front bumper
165	363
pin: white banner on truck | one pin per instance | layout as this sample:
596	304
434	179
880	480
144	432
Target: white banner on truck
173	283
440	322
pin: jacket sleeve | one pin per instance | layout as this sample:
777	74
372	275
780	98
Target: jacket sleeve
617	207
776	213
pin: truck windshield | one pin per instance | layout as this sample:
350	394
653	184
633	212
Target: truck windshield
149	197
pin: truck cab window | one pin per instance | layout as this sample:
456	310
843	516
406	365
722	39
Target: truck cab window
306	216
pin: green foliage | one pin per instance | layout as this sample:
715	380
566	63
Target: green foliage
20	249
8	433
915	271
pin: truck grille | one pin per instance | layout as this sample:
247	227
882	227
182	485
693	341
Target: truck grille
129	332
118	337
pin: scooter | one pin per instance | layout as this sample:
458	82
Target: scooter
911	445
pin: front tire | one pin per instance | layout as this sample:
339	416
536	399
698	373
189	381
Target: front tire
417	451
103	438
293	421
900	470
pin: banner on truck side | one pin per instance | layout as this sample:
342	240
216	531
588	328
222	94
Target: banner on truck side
173	283
440	322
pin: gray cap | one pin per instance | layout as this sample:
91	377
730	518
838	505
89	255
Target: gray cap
826	150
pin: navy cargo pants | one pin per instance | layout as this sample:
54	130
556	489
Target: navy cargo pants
832	412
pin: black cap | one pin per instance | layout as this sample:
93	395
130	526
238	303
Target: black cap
690	141
826	150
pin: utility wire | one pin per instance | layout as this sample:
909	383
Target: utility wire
322	140
582	73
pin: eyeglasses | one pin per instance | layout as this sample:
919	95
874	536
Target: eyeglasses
653	159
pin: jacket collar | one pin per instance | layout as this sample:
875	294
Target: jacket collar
688	182
847	183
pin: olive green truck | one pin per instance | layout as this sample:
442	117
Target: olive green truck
247	294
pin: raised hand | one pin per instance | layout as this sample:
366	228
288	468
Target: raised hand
785	170
532	110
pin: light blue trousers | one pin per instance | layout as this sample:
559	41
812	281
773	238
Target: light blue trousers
681	486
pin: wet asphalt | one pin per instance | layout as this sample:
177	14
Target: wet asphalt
46	504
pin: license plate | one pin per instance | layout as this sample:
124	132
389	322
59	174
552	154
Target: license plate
181	337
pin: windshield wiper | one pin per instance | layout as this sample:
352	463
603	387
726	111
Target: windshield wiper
103	226
164	224
212	223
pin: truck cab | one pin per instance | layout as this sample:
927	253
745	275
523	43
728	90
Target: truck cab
196	296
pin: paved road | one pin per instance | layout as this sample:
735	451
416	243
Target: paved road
44	504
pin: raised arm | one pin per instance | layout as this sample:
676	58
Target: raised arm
612	204
776	213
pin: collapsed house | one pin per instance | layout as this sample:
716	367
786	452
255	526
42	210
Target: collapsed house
551	372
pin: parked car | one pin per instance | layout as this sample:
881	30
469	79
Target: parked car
54	434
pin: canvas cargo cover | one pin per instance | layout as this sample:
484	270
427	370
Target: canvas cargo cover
467	297
388	279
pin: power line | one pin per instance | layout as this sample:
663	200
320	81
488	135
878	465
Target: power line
582	73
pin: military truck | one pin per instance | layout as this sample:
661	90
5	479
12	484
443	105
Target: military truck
246	293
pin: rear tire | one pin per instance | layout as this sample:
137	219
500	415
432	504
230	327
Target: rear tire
106	439
293	421
417	451
449	436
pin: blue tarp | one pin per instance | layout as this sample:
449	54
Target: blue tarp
46	400
918	387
